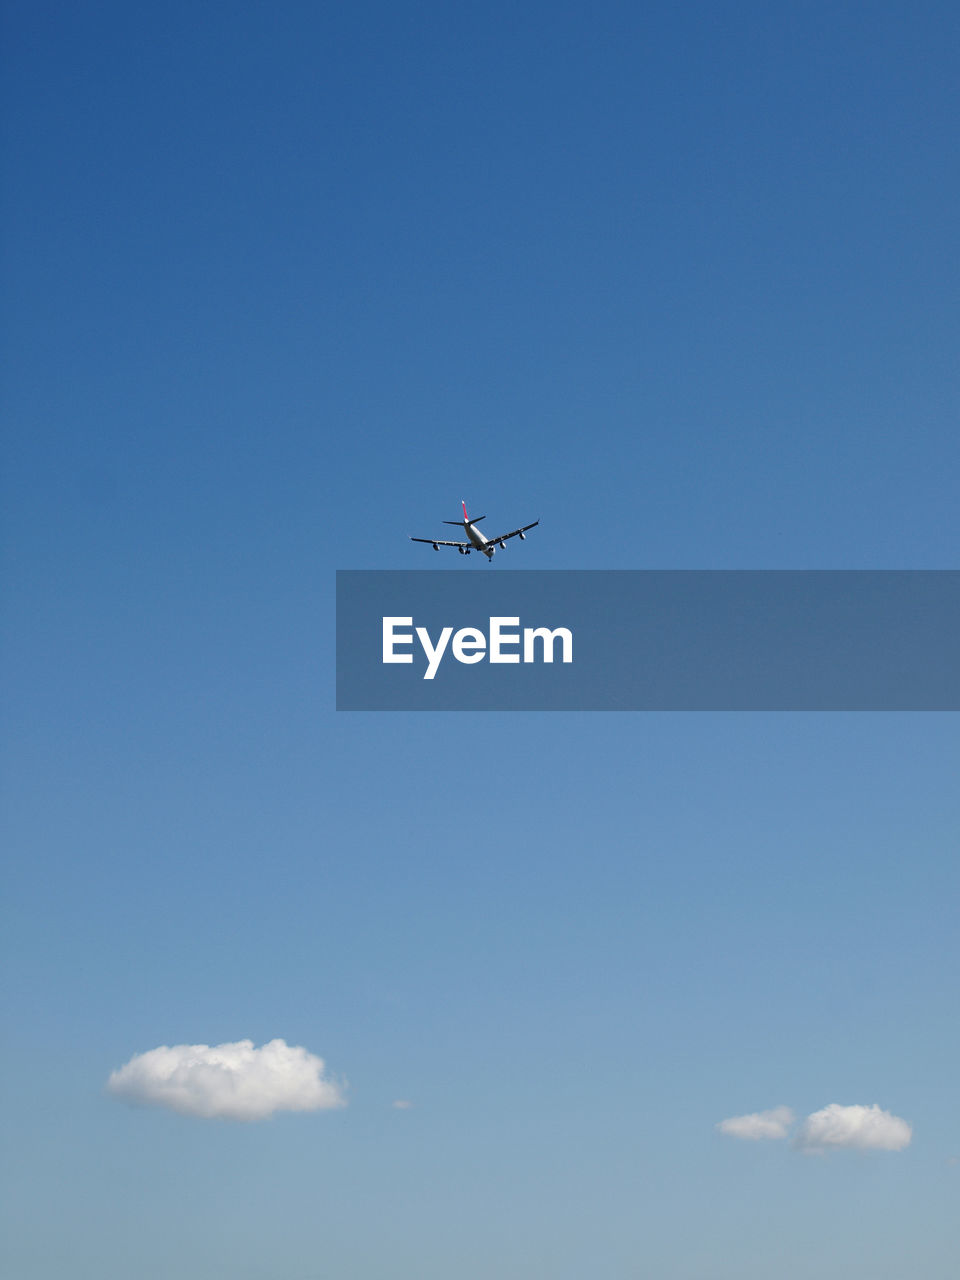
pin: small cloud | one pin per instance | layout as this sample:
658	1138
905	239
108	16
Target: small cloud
759	1124
857	1127
227	1081
402	1104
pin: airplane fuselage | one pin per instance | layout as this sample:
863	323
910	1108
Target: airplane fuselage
480	542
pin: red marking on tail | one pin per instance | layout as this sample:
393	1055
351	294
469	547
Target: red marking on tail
466	518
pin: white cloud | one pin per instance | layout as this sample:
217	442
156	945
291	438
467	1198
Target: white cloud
759	1124
229	1081
402	1104
862	1128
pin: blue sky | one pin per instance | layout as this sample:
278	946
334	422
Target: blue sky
284	284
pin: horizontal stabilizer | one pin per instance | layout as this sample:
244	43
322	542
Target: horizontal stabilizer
461	524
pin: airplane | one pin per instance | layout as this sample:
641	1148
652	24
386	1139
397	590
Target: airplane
478	542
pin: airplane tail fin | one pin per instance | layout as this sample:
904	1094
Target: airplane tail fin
466	519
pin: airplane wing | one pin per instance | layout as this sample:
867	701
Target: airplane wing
439	542
502	537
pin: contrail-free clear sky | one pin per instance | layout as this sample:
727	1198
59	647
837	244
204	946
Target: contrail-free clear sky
283	285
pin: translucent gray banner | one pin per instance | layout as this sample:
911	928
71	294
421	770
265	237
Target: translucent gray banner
646	640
